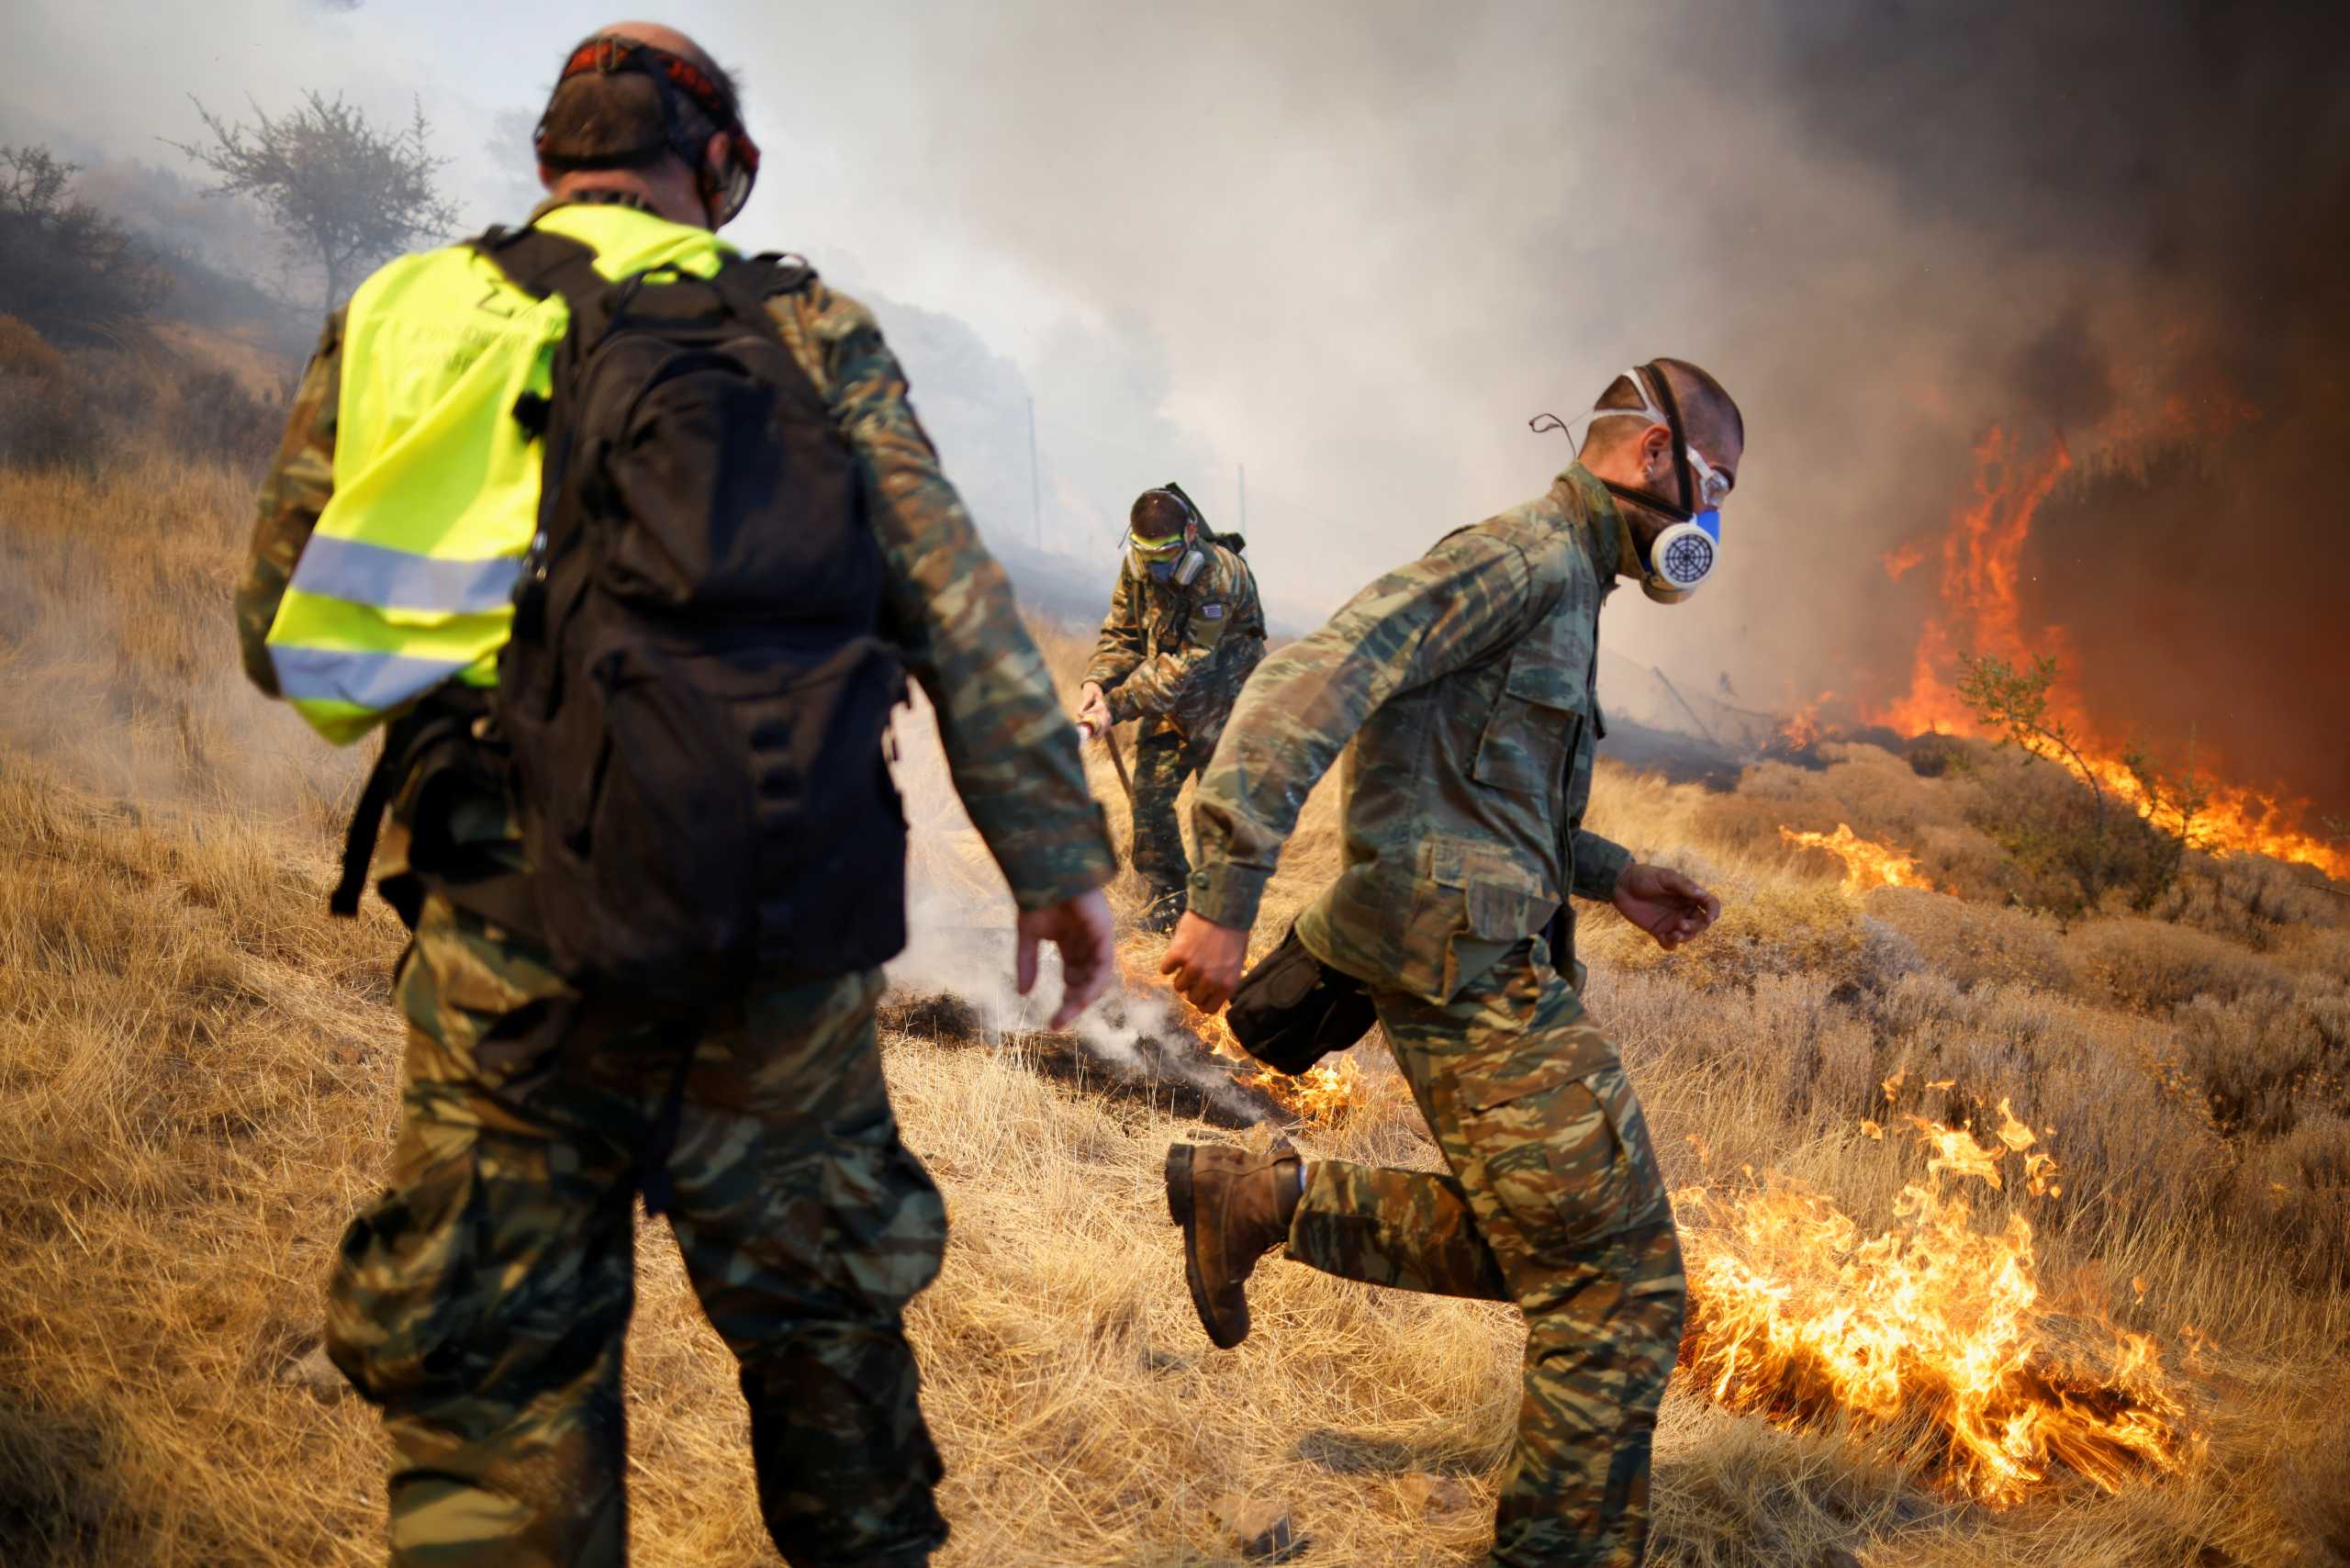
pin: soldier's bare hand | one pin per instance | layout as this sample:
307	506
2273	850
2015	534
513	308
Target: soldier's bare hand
1665	905
1080	928
1093	708
1204	960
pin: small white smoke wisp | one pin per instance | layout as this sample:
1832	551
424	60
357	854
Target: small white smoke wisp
961	944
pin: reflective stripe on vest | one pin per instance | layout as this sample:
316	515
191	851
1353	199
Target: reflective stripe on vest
406	581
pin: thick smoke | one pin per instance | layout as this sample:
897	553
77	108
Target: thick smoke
2188	168
1352	246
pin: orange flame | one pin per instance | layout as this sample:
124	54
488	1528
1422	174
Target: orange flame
1981	564
1934	1331
1323	1096
1803	726
1866	864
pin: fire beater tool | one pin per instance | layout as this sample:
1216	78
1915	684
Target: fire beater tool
1108	735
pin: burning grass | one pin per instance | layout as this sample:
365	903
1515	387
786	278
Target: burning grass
1933	1336
196	1072
1984	553
1866	864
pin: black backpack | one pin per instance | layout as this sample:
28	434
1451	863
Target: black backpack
697	692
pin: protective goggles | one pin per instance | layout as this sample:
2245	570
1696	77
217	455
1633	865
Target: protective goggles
725	193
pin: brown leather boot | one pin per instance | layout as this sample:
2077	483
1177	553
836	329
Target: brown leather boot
1235	1206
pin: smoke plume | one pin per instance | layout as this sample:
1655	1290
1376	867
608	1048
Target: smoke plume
1351	247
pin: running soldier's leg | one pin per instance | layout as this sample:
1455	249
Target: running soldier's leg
1412	1229
481	1301
1417	1229
1565	1209
807	1227
1158	851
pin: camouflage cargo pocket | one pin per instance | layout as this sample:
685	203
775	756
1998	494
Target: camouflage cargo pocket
1550	1159
1532	731
1476	900
404	1297
885	1225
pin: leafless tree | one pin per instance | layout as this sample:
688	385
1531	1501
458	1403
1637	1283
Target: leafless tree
340	188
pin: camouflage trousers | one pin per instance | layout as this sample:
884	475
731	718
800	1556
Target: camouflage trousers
1164	759
1554	1201
483	1300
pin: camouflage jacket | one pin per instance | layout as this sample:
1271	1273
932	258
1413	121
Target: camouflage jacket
1176	656
1011	749
1468	675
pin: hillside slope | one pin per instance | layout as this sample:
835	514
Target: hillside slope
197	1073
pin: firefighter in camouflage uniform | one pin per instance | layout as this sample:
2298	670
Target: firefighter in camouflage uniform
1184	631
1464	681
482	1300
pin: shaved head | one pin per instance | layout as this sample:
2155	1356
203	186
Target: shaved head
595	115
671	40
1709	419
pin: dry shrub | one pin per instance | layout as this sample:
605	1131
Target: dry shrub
117	663
2158	967
105	408
1975	944
1880	798
2316	1489
2252	900
2260	1060
47	423
2313	950
2295	1191
24	351
1649	814
213	414
2064	854
1768	927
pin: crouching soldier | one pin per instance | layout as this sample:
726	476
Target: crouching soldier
1184	632
1464	679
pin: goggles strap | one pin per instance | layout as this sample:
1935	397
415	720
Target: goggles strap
675	78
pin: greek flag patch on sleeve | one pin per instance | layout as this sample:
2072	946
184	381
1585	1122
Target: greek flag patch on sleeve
1212	613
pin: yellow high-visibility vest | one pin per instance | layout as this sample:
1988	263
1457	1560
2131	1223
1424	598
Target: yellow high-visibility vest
406	580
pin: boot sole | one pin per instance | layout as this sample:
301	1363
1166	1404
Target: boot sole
1181	1210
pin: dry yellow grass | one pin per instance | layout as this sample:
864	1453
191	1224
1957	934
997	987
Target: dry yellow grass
198	1070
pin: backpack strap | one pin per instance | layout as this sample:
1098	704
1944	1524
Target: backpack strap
747	282
359	838
540	262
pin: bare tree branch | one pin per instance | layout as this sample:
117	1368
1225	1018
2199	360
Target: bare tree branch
338	187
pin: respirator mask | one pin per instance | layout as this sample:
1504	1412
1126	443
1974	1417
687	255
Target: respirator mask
1683	554
1163	534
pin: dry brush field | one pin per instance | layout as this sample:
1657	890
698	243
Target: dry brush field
197	1073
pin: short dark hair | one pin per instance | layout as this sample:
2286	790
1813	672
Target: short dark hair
1158	513
601	115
